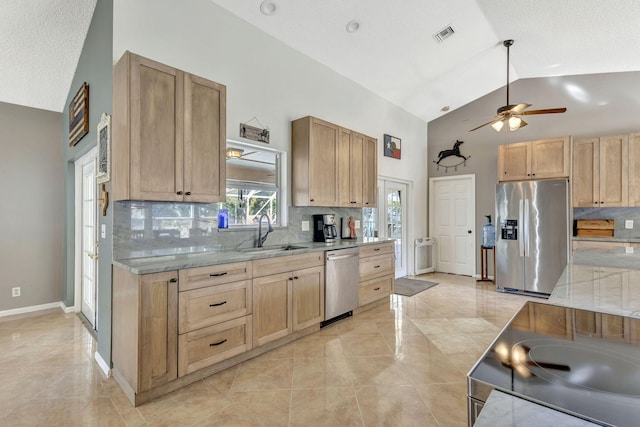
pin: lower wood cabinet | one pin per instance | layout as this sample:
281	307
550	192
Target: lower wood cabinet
377	272
272	305
308	297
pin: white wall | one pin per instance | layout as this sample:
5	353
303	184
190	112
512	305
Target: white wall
269	80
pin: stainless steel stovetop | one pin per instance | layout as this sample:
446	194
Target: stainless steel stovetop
577	361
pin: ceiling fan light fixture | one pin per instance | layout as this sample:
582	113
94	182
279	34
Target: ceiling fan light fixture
234	153
497	126
514	123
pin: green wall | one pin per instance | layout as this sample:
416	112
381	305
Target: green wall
94	67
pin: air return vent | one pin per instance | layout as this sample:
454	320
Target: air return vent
443	34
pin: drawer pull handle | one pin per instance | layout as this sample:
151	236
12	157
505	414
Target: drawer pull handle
217	304
376	249
376	289
218	343
295	277
174	280
376	266
217	274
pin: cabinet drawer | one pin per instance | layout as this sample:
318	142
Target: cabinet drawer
207	306
372	250
376	266
200	277
268	266
207	346
375	289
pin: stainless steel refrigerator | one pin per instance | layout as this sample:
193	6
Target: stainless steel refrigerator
532	235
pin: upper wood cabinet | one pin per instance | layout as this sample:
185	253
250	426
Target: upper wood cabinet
541	159
169	133
600	172
332	166
634	169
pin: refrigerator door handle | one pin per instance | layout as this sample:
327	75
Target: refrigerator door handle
525	240
521	222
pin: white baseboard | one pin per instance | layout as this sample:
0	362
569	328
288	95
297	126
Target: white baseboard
104	367
30	309
477	276
68	310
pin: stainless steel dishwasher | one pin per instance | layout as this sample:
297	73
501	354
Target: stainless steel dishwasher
341	284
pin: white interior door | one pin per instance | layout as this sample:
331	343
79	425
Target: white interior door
452	223
86	236
393	202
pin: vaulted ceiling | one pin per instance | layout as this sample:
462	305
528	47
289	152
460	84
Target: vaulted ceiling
393	53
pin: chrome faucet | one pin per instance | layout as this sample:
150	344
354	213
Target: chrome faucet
262	238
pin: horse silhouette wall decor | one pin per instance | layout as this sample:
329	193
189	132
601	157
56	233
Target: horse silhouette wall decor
455	151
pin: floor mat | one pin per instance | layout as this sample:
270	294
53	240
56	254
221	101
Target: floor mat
409	287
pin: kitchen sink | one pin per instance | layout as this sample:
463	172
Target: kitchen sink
280	248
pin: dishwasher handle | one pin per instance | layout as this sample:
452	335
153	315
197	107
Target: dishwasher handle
332	257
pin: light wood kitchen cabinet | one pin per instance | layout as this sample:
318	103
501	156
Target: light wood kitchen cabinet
634	170
314	163
351	168
168	134
600	172
145	328
370	180
540	159
332	166
377	272
288	295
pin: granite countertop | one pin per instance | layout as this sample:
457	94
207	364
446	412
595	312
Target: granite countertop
157	264
505	410
603	281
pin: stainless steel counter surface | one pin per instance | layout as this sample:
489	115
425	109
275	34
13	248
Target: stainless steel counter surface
505	410
180	261
604	281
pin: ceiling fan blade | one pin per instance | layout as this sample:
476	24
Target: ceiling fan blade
522	123
547	111
518	108
496	119
246	154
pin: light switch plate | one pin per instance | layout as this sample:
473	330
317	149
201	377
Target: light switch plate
305	225
628	224
103	231
357	223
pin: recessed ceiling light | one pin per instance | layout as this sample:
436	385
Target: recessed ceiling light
268	7
353	26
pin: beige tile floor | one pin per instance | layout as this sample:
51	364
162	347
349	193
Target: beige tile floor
399	364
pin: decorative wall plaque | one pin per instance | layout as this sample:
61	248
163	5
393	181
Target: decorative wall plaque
79	115
253	133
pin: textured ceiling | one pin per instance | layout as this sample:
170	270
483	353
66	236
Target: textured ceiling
392	54
40	44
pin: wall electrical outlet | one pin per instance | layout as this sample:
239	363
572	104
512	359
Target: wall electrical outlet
305	225
629	249
628	224
15	292
103	231
357	223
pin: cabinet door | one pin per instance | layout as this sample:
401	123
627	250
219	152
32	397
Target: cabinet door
272	303
156	93
344	173
323	164
634	169
308	297
614	175
158	359
204	140
550	158
356	167
514	162
370	173
586	172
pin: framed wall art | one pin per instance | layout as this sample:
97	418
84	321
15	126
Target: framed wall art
79	115
103	174
392	146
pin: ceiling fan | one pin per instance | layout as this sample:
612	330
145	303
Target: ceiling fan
510	114
237	153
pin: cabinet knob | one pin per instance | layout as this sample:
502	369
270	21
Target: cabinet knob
528	174
295	277
179	193
534	174
188	193
311	200
174	280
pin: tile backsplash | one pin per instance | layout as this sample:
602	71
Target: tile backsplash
142	229
617	214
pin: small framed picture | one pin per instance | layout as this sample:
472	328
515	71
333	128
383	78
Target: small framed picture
79	115
392	146
103	174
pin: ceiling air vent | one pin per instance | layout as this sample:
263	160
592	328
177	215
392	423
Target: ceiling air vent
443	34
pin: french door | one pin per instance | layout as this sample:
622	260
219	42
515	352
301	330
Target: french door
86	237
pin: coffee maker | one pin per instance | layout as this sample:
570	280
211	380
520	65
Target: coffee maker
324	228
